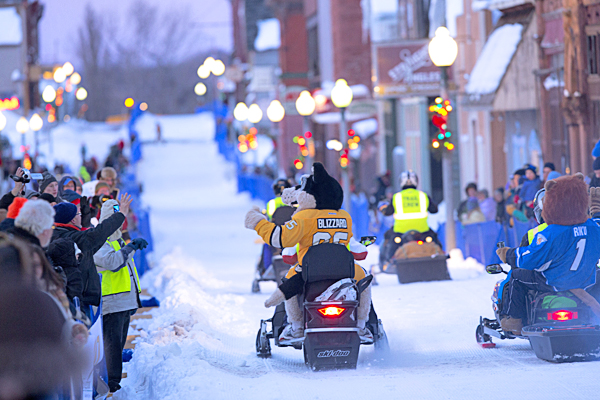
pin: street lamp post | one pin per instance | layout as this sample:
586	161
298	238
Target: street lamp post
275	113
443	51
341	96
22	128
305	105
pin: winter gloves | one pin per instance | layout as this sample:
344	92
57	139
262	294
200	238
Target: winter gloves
86	212
253	217
502	253
138	244
594	200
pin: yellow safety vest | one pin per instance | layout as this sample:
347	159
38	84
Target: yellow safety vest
410	211
273	205
118	282
532	232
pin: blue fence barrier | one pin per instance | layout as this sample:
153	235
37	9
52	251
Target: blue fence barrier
479	240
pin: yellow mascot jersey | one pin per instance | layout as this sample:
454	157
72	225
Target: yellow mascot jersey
310	228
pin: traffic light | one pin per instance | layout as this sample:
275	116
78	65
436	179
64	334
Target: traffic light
344	160
440	110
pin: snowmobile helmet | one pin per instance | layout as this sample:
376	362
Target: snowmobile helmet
409	178
538	205
279	185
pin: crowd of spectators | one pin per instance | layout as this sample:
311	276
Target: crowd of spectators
55	241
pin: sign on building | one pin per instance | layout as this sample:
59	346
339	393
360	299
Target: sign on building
405	69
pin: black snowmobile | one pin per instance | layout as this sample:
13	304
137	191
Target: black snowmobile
428	263
277	269
560	326
331	339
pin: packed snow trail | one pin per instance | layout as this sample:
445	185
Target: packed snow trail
200	342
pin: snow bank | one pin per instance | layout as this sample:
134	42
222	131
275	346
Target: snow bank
461	269
494	59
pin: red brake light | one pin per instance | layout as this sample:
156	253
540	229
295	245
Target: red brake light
331	311
562	315
420	242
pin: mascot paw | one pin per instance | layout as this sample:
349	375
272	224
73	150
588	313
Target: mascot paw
253	217
502	253
594	200
276	298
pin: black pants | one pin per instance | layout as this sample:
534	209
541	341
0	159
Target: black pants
520	282
114	329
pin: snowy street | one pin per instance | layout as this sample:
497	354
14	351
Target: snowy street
200	342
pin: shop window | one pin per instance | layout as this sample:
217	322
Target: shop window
593	53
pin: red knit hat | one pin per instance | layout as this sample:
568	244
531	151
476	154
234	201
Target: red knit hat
15	207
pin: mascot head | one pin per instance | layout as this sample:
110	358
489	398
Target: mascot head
318	190
566	201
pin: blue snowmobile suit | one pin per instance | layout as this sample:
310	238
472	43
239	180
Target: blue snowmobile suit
566	256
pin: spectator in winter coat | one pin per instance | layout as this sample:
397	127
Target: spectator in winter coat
62	253
487	205
89	241
471	203
83	206
530	186
548	167
17	190
49	184
109	176
595	176
66	183
34	223
120	293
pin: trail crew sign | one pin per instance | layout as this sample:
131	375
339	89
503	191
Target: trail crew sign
405	69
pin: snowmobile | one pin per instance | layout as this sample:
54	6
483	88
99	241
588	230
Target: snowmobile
560	326
417	257
331	339
277	269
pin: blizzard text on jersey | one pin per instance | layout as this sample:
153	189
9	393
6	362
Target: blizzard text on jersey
332	223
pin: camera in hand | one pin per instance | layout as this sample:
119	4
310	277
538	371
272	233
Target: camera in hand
27	176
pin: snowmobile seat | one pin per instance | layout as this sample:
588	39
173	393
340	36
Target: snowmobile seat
323	265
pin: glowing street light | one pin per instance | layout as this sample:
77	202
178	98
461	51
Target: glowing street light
334	144
305	104
218	68
75	79
255	114
68	68
129	102
442	48
275	111
341	94
209	63
144	106
203	71
81	94
2	121
36	123
200	89
240	112
49	94
59	75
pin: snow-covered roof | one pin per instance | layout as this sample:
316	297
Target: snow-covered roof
268	37
11	32
494	59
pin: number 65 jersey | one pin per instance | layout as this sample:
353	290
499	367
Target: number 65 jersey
308	228
567	256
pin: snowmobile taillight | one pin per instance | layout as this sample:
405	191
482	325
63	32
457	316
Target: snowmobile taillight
420	242
331	311
562	315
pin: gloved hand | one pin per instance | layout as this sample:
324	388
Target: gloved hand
382	205
502	253
139	244
86	212
594	200
253	217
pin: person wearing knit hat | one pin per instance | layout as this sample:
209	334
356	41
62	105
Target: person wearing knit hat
89	241
120	293
71	196
83	206
49	184
13	212
595	176
34	223
102	188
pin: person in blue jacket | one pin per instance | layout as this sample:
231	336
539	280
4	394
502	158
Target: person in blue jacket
563	256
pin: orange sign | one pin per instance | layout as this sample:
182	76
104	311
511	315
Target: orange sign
9	104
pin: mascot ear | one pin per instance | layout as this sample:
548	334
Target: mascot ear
319	173
580	176
549	185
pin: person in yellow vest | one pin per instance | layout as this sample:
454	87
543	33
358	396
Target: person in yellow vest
410	208
275	203
120	293
538	206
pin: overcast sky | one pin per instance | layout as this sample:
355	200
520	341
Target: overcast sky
62	19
